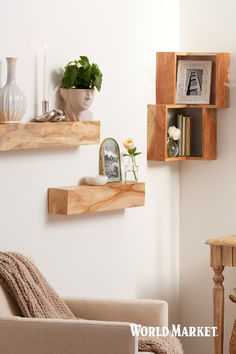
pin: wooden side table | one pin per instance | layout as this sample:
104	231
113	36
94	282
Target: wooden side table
223	253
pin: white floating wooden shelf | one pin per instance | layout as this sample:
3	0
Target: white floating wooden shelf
19	136
84	199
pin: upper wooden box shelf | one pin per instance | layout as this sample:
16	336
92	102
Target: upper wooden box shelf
166	76
44	135
84	199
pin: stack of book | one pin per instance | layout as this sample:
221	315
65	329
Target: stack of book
184	125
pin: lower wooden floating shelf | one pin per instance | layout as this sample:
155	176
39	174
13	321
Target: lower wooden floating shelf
84	199
19	136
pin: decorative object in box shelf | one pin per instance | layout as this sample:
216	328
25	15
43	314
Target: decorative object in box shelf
80	79
12	99
193	82
184	124
172	136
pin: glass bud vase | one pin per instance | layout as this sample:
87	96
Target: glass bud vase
12	99
131	170
172	148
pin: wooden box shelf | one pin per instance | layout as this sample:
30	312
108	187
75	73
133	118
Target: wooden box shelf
44	135
166	76
84	199
203	131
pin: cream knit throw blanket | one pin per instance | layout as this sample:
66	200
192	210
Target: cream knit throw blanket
37	299
160	345
29	288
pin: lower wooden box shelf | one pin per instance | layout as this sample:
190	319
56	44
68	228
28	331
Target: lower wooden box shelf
203	131
84	199
17	136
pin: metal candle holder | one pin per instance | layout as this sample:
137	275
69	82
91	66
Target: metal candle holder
45	107
55	115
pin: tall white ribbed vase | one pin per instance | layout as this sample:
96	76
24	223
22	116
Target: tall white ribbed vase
12	99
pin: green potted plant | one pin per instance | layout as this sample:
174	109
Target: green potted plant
78	87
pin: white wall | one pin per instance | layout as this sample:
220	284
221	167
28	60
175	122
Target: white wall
208	189
132	253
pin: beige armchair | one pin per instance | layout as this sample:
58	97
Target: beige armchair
106	329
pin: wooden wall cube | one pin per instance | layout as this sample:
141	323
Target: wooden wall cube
203	131
166	76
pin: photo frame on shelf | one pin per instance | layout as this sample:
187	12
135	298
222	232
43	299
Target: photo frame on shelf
109	160
193	82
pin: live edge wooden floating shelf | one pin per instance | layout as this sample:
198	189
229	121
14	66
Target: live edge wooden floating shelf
203	117
44	135
84	199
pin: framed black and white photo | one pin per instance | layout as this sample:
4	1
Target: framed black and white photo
109	160
193	82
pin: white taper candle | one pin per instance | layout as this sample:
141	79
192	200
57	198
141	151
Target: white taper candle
45	73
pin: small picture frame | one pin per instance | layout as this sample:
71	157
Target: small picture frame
109	160
193	82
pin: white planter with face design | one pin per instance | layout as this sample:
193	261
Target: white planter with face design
77	103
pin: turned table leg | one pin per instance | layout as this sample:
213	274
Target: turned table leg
232	344
218	303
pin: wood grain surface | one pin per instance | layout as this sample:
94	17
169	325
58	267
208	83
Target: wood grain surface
223	253
223	241
222	84
156	132
87	199
166	75
157	122
44	135
208	134
218	304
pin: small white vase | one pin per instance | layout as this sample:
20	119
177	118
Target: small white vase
77	103
12	99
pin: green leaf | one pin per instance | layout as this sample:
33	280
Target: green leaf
70	76
82	75
132	151
126	155
96	76
98	82
137	153
71	63
84	62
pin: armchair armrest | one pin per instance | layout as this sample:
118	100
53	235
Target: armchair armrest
44	336
145	312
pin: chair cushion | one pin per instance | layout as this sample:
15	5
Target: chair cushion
7	305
